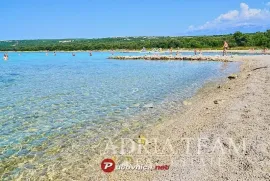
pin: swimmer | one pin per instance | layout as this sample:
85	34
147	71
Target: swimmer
5	57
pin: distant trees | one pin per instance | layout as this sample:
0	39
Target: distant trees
238	39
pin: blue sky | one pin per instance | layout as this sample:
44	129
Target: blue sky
44	19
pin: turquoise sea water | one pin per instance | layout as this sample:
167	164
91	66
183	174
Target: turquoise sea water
50	103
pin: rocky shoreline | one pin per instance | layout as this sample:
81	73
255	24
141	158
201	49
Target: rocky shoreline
170	57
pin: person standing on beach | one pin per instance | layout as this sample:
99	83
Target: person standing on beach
265	51
225	47
195	51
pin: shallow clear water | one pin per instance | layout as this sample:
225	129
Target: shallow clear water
48	103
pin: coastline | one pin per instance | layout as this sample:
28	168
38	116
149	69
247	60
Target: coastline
257	51
237	109
200	117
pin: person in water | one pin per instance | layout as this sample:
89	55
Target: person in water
195	51
5	57
54	53
225	47
90	53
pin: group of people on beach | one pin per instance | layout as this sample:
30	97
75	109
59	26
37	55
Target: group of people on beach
197	51
5	56
225	48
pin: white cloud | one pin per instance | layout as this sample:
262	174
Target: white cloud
246	16
231	15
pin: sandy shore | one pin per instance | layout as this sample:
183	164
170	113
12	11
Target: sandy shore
239	110
222	134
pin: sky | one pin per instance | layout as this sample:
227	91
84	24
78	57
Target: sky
58	19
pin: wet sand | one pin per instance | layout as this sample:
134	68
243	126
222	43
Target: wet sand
228	126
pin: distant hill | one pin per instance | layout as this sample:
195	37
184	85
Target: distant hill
238	39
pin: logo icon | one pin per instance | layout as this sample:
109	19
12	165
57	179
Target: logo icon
108	165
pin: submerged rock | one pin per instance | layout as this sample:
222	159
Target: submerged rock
136	105
149	105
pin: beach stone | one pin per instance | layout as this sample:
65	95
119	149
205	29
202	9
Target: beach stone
249	74
233	76
218	101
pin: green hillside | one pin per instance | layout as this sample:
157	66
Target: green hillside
236	40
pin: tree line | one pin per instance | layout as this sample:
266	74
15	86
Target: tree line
237	40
